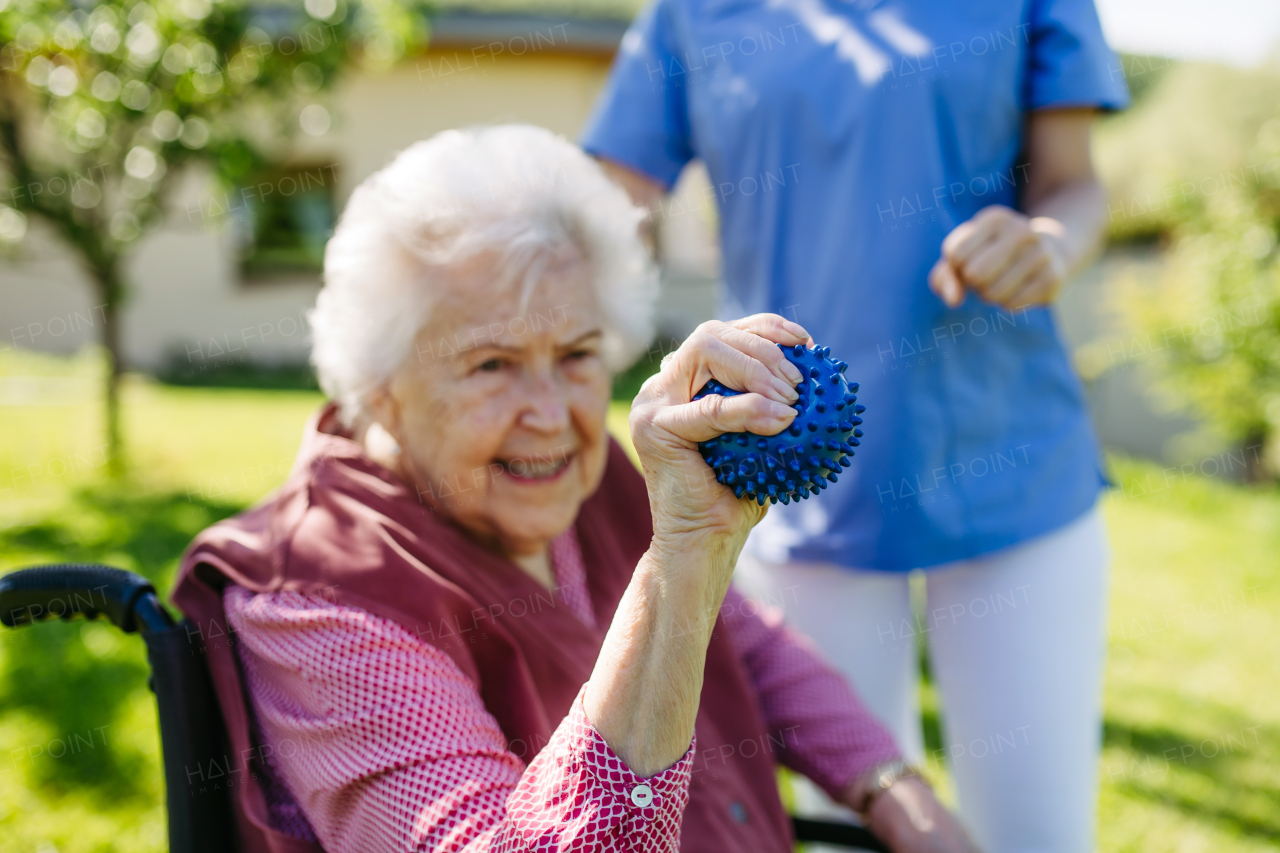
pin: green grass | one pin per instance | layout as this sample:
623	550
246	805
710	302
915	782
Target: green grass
1192	738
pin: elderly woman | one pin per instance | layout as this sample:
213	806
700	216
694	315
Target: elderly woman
466	622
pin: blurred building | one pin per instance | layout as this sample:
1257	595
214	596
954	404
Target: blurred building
227	281
230	276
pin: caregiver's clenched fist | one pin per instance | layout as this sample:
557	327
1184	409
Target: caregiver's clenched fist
1007	258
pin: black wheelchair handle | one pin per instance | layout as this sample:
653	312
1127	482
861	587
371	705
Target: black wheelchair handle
66	589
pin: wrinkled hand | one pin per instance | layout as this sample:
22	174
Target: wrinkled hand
666	426
1006	257
909	819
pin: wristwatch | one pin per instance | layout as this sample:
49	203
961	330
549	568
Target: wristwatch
878	780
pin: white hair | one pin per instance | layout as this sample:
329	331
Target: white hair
519	191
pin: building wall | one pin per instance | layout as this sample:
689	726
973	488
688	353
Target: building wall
187	294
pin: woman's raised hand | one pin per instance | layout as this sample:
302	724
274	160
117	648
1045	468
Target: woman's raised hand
666	424
644	691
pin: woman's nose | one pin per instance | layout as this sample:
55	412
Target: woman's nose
547	409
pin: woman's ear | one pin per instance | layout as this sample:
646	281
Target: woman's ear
380	444
385	423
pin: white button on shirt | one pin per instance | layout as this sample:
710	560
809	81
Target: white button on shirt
642	795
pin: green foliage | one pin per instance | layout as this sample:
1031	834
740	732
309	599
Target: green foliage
117	95
102	103
1212	322
1188	137
1195	164
627	383
179	370
1142	72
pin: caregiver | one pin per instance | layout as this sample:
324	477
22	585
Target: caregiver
912	182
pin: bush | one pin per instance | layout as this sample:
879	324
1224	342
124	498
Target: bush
236	372
1189	135
1212	322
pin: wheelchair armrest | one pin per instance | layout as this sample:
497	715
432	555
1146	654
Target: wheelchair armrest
65	589
838	834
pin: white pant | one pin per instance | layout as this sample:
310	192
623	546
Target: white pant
1017	644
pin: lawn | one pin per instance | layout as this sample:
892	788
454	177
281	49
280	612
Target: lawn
1192	737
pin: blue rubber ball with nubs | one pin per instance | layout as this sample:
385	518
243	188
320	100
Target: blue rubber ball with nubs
802	459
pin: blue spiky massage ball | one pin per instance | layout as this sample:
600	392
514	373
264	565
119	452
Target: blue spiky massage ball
806	456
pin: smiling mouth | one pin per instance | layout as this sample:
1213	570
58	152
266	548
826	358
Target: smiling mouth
536	469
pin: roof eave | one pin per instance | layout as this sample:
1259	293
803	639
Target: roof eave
522	34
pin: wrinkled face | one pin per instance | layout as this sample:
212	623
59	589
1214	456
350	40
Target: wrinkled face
500	413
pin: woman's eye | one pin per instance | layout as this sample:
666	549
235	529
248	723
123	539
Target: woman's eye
578	354
492	365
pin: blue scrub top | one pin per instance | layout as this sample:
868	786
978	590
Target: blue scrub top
845	140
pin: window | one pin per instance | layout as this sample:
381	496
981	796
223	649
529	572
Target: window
284	220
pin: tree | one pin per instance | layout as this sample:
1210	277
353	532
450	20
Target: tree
102	103
1212	325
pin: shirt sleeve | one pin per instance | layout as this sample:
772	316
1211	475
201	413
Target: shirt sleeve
641	118
385	744
1070	62
828	734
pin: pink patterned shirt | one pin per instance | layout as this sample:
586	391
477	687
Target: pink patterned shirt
374	740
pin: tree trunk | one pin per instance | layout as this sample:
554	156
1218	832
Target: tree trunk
99	254
110	292
1256	456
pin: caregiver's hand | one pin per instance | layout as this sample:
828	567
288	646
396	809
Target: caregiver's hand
1006	257
909	819
643	694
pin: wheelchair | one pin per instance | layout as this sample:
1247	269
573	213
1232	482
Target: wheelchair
192	733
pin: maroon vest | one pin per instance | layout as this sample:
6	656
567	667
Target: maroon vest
344	527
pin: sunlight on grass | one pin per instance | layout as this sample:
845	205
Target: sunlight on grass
1192	741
